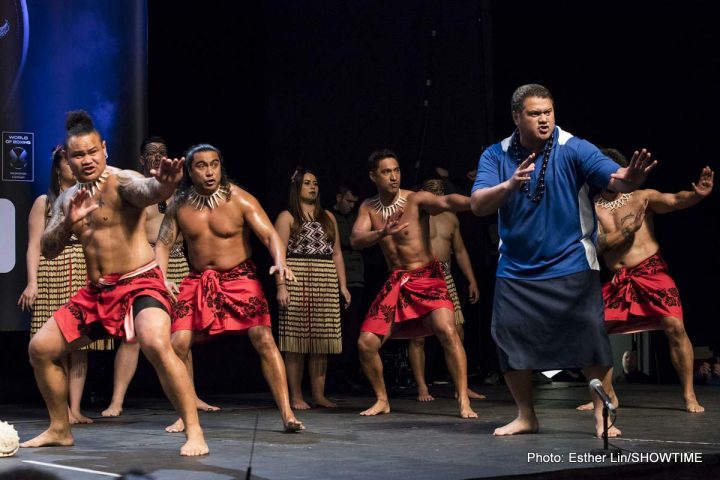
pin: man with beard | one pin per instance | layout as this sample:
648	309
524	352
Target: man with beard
222	293
125	296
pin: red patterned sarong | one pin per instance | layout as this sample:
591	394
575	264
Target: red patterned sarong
639	297
407	296
110	302
215	302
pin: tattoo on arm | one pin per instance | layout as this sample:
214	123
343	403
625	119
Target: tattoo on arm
56	235
138	190
169	228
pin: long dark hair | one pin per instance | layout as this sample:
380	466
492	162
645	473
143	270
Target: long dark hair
319	213
57	155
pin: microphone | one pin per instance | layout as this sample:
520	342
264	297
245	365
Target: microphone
596	386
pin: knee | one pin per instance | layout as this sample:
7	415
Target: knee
262	339
447	334
37	352
180	346
417	342
365	345
675	329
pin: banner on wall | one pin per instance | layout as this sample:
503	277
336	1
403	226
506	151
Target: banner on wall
57	57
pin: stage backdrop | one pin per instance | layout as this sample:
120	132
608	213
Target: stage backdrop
61	56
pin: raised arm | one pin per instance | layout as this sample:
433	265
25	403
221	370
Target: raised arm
339	262
36	225
669	202
363	236
486	201
630	178
434	204
142	192
463	260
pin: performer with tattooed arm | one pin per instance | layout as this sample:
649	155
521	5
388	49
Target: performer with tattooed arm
125	296
216	217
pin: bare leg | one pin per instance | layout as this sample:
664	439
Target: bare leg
416	356
604	373
294	366
152	326
199	403
182	341
473	395
520	384
46	350
442	322
77	372
369	346
317	368
126	360
682	356
586	407
274	372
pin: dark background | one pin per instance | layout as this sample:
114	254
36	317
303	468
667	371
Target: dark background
323	83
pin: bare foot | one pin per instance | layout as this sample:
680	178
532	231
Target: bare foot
194	448
692	405
381	406
585	407
473	395
50	439
466	411
518	426
612	431
78	417
299	404
178	426
424	395
204	406
293	425
324	402
112	411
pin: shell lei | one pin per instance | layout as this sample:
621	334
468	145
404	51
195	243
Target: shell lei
94	186
614	204
199	201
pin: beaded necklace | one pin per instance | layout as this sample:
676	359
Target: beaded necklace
537	195
200	201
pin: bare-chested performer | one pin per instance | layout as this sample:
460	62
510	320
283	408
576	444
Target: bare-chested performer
642	295
125	296
445	239
152	150
415	300
222	293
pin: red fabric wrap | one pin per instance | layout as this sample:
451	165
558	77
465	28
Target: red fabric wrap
215	302
638	298
110	302
407	296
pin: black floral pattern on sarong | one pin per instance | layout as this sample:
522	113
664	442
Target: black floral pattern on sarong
650	267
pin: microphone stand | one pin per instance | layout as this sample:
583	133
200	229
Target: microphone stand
606	450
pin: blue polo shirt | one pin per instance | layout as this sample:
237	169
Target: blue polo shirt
556	236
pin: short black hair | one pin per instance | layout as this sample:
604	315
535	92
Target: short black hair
378	155
615	156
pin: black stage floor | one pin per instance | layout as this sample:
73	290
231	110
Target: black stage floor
416	441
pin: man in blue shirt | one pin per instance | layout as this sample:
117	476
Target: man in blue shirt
548	309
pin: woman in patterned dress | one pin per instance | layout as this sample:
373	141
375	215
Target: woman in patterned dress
310	325
52	282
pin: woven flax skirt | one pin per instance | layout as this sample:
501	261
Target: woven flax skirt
311	324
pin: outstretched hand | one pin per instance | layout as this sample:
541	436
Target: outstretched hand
80	206
641	164
522	172
169	172
705	184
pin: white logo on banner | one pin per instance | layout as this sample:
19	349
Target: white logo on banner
7	235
